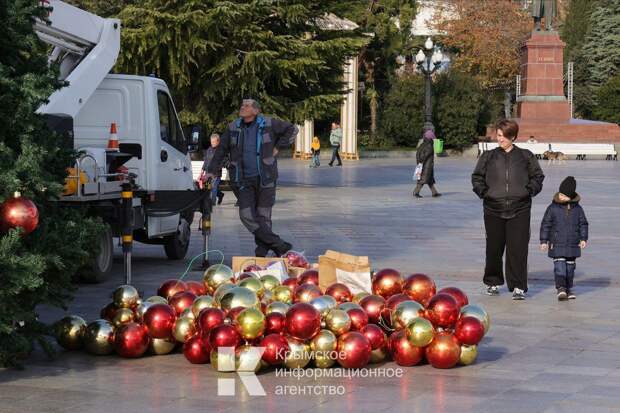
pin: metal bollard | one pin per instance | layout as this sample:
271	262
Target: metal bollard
127	229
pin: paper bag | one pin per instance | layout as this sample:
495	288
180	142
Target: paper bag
277	267
350	270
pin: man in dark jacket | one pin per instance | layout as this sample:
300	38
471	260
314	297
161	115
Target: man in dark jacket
507	178
252	143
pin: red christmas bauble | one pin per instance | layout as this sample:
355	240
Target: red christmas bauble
340	292
353	350
309	277
224	336
291	283
252	268
276	348
457	294
443	310
170	287
18	212
181	301
304	293
159	320
245	275
209	318
469	330
275	323
303	321
196	287
387	282
420	288
131	340
403	352
444	351
359	318
375	335
196	349
373	305
295	259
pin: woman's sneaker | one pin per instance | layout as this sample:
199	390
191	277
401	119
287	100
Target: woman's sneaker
518	294
571	295
492	290
562	296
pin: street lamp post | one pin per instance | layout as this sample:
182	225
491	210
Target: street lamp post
428	63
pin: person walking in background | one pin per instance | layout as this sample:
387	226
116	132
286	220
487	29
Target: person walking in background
315	148
564	233
335	138
506	179
425	159
216	193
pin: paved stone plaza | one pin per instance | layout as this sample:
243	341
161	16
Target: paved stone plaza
539	355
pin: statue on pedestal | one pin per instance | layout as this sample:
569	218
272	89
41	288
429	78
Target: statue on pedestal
546	9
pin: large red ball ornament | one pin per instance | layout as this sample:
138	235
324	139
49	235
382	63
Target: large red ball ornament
469	330
275	323
159	320
303	321
403	352
209	318
197	288
296	259
387	282
340	292
291	283
181	301
309	277
443	310
444	351
420	288
373	305
170	287
457	294
131	340
224	336
359	318
305	293
390	306
18	212
196	349
276	348
375	335
245	275
353	350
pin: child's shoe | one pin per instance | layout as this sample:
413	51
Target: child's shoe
562	296
571	295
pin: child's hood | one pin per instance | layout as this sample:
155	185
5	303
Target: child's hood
574	200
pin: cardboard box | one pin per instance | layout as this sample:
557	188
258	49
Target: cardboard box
297	271
279	267
351	270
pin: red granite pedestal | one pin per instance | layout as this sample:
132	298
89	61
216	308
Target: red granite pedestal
542	109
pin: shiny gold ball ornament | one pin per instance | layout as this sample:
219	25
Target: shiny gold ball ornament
277	307
248	359
420	332
267	297
349	306
468	354
338	321
270	281
188	313
251	323
283	294
299	355
161	346
323	347
156	299
473	310
69	331
125	296
220	291
405	312
378	355
253	284
141	309
183	329
98	337
217	275
223	361
358	297
324	304
123	316
239	297
201	302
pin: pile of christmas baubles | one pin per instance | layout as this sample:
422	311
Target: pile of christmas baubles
404	319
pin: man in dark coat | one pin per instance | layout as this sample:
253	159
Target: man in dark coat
425	156
564	233
507	178
252	143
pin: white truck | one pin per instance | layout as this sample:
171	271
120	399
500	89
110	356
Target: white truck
151	168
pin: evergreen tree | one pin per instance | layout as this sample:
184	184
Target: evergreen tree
608	97
37	268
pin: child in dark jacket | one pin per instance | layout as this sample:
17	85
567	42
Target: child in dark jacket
564	233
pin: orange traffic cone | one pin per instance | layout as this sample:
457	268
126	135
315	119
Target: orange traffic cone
113	141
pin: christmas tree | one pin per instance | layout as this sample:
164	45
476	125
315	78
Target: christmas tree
36	268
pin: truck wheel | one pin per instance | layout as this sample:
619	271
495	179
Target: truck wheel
100	267
176	245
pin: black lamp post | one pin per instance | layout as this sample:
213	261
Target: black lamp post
428	63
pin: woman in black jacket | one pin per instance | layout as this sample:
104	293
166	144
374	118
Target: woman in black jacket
507	178
425	155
